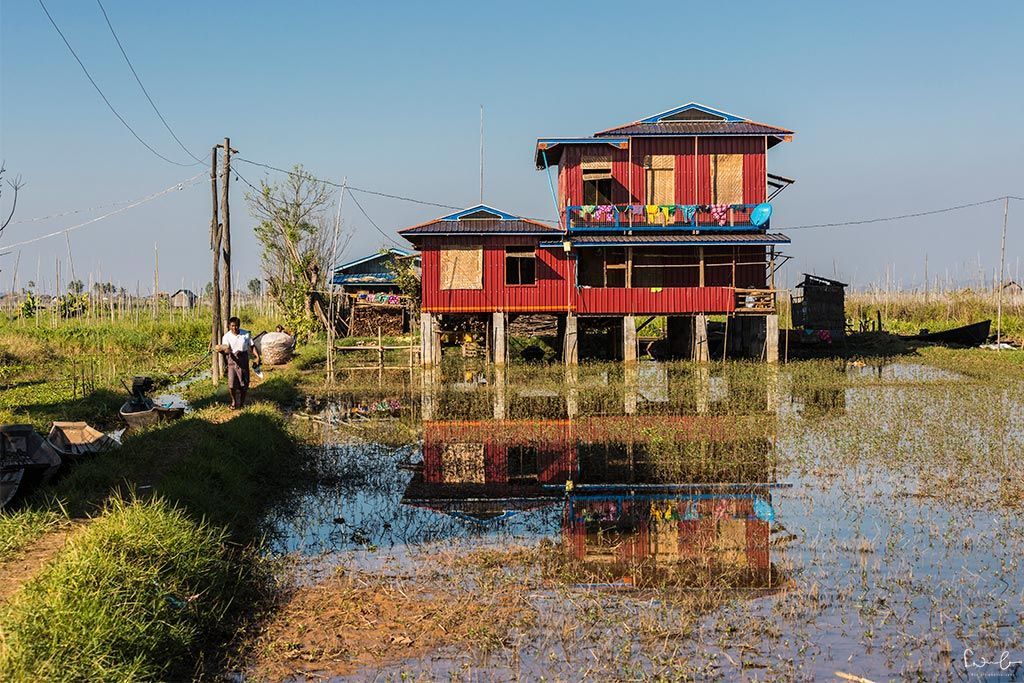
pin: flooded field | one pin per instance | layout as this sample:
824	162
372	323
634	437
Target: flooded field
815	522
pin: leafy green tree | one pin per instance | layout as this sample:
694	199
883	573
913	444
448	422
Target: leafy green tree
293	230
255	286
76	287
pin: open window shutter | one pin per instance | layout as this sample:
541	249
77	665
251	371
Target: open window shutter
462	268
596	166
661	178
726	178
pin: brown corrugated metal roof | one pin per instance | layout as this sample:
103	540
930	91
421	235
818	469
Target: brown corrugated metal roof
695	128
520	226
704	239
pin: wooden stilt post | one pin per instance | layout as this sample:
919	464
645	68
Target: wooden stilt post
215	243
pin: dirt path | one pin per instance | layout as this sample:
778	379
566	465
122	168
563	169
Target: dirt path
16	571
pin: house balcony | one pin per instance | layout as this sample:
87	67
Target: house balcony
638	217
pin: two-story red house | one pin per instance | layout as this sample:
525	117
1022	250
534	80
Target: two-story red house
665	216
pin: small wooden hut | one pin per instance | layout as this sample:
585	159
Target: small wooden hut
183	298
821	305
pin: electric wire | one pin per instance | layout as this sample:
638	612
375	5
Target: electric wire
363	211
141	86
102	95
181	185
917	214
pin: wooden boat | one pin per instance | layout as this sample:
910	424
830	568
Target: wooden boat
26	460
974	334
75	439
138	414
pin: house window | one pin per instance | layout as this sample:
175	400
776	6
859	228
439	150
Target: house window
520	266
603	267
597	179
522	463
726	178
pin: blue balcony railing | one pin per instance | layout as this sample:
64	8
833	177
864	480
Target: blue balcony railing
661	217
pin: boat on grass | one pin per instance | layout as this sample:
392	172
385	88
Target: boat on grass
26	461
138	413
73	440
974	334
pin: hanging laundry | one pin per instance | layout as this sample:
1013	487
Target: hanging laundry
603	213
637	209
668	212
689	212
652	213
587	210
720	213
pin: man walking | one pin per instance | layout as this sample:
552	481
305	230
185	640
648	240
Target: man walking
237	345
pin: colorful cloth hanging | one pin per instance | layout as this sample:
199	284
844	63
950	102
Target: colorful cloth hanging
668	212
720	213
652	213
587	210
689	212
603	212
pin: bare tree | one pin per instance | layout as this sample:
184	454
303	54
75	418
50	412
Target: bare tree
294	231
16	184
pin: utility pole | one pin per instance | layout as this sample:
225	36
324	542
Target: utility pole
225	220
1002	259
481	154
215	244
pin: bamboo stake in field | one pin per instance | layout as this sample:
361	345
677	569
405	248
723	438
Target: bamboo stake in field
1002	260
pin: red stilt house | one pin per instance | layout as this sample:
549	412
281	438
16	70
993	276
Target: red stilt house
666	216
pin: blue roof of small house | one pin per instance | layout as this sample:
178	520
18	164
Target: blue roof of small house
377	276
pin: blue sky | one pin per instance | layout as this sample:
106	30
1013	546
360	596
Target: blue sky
898	107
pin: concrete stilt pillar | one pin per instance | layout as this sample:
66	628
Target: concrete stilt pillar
629	348
570	346
701	354
427	397
630	377
702	390
498	387
427	340
499	337
572	393
772	338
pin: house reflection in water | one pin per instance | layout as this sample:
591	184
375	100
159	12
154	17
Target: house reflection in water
644	500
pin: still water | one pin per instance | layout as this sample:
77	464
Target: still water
801	522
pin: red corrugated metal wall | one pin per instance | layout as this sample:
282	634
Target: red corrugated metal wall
656	300
549	294
693	174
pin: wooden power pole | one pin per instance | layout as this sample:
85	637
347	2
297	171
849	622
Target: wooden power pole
215	244
225	221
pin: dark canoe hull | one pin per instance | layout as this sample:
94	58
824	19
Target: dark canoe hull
74	440
137	419
968	335
26	460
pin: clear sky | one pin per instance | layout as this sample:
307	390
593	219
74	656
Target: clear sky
897	106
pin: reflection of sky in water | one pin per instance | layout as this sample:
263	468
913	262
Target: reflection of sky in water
898	583
366	510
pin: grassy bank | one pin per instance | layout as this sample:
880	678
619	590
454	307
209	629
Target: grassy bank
138	595
17	530
910	312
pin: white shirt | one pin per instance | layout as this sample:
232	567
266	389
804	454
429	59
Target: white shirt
238	343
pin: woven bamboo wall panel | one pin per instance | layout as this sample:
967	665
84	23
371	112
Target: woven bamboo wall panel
726	178
463	463
661	178
462	268
600	161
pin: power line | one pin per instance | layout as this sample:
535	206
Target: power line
139	81
363	211
896	218
107	101
177	186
